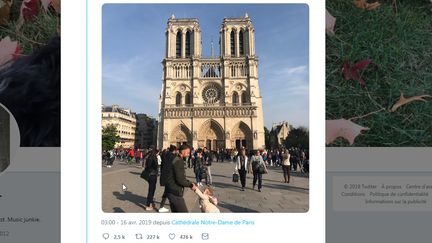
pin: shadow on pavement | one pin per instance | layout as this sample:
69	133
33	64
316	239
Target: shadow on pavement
236	209
135	173
118	210
128	196
287	188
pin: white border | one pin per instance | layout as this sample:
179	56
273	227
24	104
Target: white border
287	227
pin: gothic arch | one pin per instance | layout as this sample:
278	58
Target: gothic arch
180	134
244	98
239	87
235	98
211	135
182	88
178	43
241	135
178	98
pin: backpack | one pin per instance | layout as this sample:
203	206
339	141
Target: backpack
256	164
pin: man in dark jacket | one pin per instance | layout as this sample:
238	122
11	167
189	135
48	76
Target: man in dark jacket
166	163
176	181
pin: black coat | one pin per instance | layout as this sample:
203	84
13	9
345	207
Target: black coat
176	180
166	167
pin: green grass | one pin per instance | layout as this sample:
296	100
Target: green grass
400	45
33	33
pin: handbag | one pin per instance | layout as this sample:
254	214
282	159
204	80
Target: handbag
146	173
261	169
235	177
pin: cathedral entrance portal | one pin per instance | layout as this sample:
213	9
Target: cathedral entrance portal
211	135
180	135
242	136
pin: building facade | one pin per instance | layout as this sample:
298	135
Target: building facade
146	131
279	133
125	122
210	102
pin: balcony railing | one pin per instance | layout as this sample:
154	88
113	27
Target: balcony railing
206	111
218	104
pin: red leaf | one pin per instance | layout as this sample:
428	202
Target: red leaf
17	52
360	65
353	71
29	9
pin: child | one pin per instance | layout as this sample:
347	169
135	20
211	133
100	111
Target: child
207	201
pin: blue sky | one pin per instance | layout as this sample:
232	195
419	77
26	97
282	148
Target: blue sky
134	46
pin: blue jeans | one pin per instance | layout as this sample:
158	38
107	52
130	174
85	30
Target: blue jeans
257	176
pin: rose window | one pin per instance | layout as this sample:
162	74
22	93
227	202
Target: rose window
211	94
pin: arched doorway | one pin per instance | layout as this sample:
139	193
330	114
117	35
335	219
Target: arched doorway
180	135
211	135
241	136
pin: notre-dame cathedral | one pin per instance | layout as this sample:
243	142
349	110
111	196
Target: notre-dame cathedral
211	102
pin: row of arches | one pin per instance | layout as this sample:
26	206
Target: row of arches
187	99
179	43
236	98
212	135
241	42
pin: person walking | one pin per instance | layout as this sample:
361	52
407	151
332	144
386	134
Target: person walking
151	167
198	167
176	181
242	167
208	164
166	165
258	168
286	165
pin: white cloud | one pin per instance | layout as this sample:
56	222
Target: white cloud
293	70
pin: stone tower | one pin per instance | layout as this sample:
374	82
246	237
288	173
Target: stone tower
210	101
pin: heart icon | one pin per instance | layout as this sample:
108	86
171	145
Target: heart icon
171	236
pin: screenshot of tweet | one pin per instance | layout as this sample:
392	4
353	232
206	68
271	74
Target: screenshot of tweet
29	122
378	133
199	121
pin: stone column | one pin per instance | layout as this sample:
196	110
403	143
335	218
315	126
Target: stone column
183	44
252	41
237	49
167	44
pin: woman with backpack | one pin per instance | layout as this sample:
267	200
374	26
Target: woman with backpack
258	168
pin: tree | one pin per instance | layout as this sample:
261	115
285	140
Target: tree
267	137
298	137
109	137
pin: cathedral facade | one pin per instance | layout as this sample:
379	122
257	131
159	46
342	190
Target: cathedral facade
211	102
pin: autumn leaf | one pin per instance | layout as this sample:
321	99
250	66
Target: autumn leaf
353	71
403	101
330	23
342	128
56	5
9	50
5	6
363	4
29	9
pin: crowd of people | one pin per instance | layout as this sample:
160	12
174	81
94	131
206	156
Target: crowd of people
171	165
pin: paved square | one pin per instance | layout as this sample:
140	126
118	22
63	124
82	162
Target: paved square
276	196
